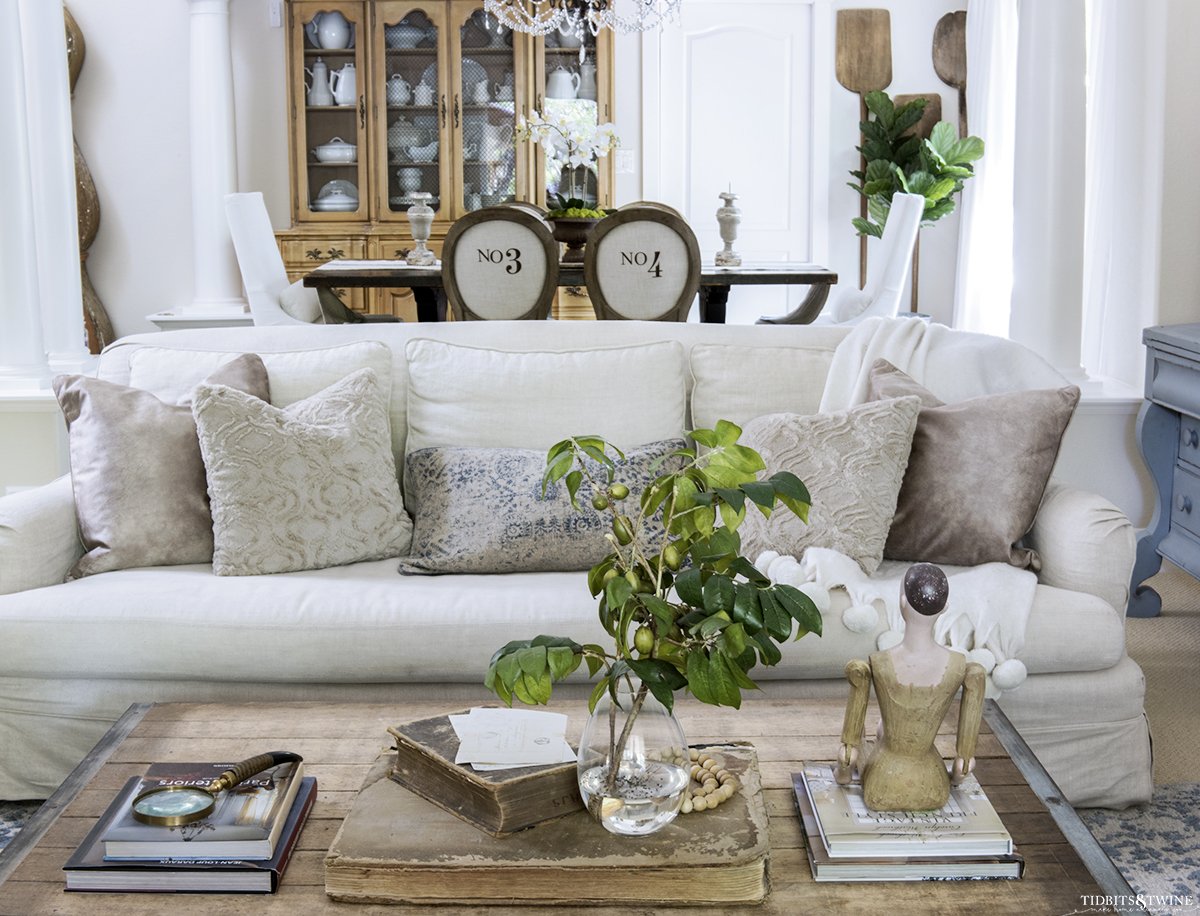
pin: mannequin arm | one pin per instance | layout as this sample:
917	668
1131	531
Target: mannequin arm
970	712
858	673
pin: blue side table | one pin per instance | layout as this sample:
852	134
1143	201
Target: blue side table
1168	431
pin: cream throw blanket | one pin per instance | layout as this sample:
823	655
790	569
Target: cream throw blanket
989	605
954	365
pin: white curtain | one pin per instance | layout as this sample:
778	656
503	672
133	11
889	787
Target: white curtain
983	288
1126	75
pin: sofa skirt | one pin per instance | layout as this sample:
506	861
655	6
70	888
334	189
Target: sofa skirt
1099	753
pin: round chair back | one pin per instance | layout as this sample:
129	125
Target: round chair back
642	262
500	263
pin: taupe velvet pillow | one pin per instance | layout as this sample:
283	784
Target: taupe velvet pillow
140	492
852	462
306	486
480	510
977	472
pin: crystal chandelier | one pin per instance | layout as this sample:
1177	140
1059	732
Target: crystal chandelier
537	17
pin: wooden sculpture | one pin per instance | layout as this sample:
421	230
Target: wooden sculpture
95	318
915	682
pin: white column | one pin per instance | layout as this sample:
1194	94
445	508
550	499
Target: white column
55	221
22	352
218	283
1047	302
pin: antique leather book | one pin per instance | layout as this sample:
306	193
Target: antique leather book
396	847
498	802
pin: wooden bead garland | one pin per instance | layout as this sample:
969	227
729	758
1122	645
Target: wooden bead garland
711	784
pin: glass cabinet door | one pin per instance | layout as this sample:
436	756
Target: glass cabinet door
330	111
411	90
487	88
572	86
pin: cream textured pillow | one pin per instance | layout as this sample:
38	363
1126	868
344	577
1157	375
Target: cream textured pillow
852	462
977	473
481	510
136	471
307	486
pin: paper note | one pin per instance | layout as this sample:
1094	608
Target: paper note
502	738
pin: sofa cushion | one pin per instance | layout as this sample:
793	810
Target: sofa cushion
977	472
739	383
852	462
365	623
294	374
301	487
472	396
136	470
481	510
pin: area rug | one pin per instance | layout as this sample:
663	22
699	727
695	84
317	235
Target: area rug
1156	847
13	816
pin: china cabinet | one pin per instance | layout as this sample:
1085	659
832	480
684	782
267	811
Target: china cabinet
394	97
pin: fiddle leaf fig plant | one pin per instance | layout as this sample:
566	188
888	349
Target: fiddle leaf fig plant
899	161
685	610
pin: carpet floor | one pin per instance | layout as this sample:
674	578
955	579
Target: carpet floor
1156	846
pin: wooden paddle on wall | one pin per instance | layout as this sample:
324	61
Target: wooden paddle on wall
950	59
863	63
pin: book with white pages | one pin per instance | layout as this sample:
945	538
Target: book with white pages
967	825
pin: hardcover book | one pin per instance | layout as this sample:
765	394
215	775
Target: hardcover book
88	870
245	823
968	825
498	802
895	868
396	847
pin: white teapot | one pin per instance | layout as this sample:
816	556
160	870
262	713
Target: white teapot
399	92
562	84
319	93
344	85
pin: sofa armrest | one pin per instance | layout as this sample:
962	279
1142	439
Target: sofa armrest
1086	544
39	537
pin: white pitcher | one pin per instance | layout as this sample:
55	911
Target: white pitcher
343	84
318	92
329	30
587	80
562	84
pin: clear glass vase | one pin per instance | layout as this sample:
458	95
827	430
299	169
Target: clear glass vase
646	790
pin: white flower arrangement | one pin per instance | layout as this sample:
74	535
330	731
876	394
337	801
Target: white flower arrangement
574	141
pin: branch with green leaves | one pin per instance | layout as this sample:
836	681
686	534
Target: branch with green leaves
900	161
685	610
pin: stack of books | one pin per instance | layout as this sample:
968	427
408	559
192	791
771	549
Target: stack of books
243	846
846	841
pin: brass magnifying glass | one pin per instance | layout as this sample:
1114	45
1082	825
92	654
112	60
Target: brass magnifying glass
173	806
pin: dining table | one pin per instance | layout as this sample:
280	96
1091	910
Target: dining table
715	284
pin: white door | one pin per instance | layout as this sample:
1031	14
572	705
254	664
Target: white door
736	96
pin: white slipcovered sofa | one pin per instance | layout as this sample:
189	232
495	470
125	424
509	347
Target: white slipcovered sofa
74	655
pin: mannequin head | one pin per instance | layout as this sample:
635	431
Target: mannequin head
925	589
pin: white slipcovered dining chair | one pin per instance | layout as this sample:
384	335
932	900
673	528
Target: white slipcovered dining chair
500	263
273	298
263	273
887	271
643	263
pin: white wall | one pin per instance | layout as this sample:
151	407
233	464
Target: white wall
131	122
1179	268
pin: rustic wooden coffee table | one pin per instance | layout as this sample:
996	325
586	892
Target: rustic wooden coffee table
340	741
